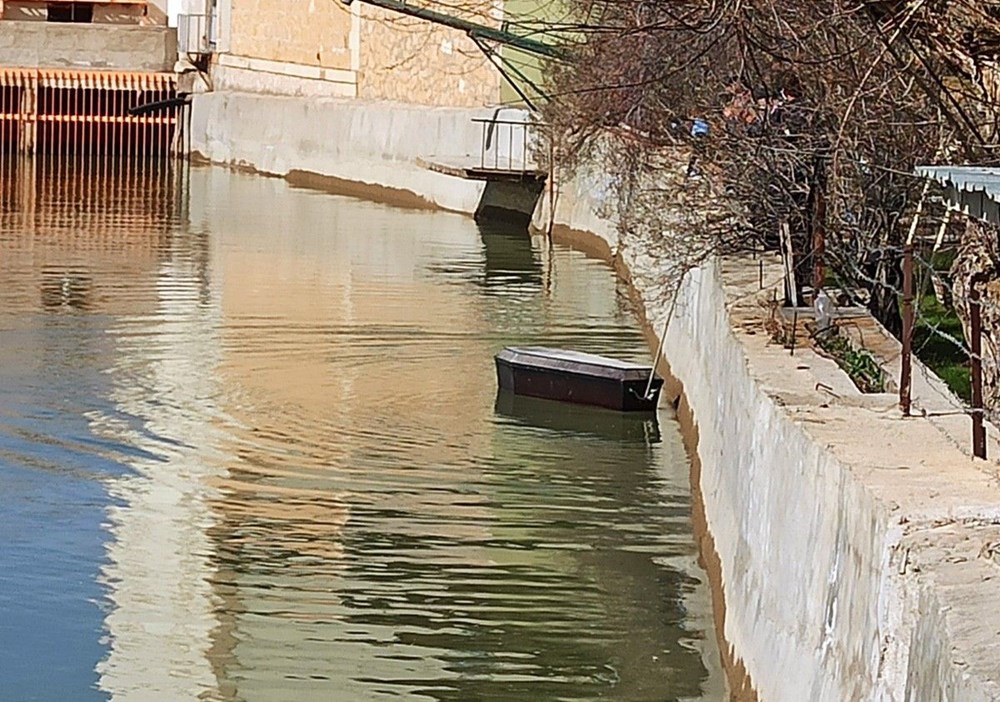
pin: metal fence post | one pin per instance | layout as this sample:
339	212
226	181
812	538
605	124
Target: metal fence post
906	373
975	331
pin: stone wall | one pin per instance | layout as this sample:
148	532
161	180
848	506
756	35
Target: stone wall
249	75
361	51
151	14
408	60
104	46
310	33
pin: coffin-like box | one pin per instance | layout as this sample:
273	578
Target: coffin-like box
582	378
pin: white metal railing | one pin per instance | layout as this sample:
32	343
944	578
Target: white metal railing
194	34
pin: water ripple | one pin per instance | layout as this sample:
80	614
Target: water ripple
249	460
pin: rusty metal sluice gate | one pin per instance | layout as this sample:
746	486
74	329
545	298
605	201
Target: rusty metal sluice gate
86	112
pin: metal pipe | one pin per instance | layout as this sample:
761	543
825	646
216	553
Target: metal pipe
474	29
976	341
819	226
906	373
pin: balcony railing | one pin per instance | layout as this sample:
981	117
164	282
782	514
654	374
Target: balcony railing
507	145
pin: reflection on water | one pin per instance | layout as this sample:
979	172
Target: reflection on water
631	428
251	449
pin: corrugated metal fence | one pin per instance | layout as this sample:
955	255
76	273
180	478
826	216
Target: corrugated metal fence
86	112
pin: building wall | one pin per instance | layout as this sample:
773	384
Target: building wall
310	33
409	60
103	46
325	49
152	13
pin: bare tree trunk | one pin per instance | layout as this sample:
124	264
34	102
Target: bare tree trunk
979	260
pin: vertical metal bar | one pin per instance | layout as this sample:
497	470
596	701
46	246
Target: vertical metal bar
77	113
47	127
138	121
905	374
795	328
524	149
84	147
43	140
788	257
976	331
129	127
19	109
5	93
552	196
154	140
133	123
100	95
105	111
115	124
165	125
70	117
91	135
22	108
15	110
57	111
510	146
61	117
170	118
4	112
80	123
819	233
29	112
46	105
126	95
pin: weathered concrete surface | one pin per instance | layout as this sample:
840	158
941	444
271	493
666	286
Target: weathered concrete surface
102	46
378	144
856	547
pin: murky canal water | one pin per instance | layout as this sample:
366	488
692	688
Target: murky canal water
251	449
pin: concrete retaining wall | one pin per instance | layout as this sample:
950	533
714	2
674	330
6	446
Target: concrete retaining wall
378	144
102	46
846	536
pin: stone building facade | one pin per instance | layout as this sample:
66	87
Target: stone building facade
324	48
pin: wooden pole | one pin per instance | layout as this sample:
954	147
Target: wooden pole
906	373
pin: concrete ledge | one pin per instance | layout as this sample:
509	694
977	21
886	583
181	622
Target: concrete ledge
100	46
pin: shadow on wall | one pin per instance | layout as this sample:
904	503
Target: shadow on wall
509	201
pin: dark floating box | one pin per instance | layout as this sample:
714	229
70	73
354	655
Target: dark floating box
581	378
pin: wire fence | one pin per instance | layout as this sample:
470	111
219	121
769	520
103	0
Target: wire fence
966	347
